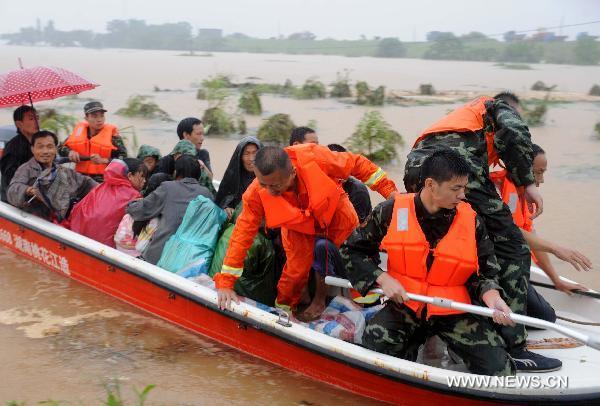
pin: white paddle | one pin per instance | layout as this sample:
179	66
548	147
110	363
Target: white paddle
591	341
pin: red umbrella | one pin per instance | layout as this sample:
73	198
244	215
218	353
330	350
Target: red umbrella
39	83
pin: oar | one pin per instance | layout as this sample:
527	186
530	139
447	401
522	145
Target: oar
591	341
595	295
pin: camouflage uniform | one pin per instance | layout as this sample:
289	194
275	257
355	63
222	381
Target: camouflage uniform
512	141
397	330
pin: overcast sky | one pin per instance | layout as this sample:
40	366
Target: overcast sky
348	19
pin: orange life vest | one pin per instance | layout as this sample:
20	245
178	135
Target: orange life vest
514	198
323	194
468	118
454	258
100	144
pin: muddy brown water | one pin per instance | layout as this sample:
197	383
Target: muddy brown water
63	341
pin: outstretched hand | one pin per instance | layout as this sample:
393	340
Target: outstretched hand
573	257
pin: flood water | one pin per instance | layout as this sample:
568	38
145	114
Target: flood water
63	341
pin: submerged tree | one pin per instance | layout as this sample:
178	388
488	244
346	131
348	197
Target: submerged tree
250	102
52	120
218	122
144	107
536	116
375	139
594	91
368	97
341	86
311	89
276	130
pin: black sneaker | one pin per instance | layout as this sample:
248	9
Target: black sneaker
527	361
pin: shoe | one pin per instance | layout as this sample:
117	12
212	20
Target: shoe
527	361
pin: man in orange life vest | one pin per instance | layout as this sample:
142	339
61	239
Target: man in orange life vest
484	132
537	306
437	245
93	143
297	189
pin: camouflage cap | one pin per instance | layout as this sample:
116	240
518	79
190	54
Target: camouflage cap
148	150
184	147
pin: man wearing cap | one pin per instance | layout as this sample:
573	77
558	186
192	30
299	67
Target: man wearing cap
93	143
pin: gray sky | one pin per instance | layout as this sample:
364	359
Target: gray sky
348	19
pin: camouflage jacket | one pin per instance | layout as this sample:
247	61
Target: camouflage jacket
360	252
512	141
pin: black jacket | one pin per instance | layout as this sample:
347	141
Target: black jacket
16	153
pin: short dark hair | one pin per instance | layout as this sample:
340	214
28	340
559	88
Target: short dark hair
43	134
444	165
187	166
299	134
187	126
135	165
337	148
20	111
537	150
271	159
508	97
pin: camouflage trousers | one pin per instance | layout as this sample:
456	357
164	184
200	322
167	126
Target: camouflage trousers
512	251
396	330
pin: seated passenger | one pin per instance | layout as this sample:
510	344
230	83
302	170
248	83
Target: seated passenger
297	189
132	237
42	188
184	147
18	150
150	156
238	175
425	234
169	202
537	306
356	191
303	135
93	143
98	215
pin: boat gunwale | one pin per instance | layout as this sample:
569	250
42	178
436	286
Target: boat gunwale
38	225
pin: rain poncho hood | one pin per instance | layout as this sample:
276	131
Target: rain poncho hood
236	179
98	215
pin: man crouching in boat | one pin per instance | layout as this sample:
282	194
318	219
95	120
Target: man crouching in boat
298	189
437	246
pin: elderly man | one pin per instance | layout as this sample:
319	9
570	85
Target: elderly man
41	187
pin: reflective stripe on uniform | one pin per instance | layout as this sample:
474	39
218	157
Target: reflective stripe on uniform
283	307
376	177
231	270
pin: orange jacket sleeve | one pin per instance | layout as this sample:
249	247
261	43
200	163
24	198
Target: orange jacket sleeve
245	230
342	165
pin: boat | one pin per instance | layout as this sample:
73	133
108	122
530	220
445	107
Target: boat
272	337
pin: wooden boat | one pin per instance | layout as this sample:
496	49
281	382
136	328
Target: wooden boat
273	338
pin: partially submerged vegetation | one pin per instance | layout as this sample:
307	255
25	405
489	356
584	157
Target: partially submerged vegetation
218	122
276	130
250	102
534	112
59	124
594	91
143	107
426	89
375	139
541	86
311	89
513	66
341	86
597	130
365	96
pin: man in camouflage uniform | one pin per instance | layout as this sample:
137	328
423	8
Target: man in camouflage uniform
398	329
512	144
